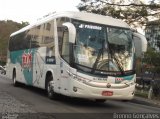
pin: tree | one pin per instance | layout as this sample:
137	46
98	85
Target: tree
134	12
23	24
152	61
6	28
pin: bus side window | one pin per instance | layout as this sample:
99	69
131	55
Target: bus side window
11	44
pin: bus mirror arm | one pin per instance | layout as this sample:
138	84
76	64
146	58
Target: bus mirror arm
140	43
72	31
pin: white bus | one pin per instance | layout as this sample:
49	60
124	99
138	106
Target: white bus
76	54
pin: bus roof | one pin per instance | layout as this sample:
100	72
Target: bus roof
89	17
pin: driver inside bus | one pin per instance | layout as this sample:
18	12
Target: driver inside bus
87	51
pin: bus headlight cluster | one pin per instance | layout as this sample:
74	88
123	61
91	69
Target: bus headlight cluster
81	79
78	78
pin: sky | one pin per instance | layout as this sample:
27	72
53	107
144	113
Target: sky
31	10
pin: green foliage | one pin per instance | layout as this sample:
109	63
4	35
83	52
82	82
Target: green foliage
6	28
134	12
152	60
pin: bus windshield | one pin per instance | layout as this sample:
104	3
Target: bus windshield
102	49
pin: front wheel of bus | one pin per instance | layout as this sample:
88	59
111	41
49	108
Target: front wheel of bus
50	90
100	100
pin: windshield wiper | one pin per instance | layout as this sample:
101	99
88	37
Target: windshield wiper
117	61
97	60
100	52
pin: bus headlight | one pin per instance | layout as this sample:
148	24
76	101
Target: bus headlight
78	78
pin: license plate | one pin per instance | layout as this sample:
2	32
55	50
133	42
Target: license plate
107	93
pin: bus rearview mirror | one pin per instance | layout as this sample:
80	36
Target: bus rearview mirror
140	44
72	31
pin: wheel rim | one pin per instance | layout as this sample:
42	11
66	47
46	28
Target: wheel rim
14	80
49	89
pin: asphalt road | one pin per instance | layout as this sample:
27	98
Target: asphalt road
28	100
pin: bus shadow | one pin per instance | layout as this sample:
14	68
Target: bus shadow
72	101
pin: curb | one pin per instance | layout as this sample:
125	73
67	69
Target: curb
144	101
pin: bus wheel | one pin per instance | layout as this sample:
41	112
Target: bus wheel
100	100
125	100
50	90
15	83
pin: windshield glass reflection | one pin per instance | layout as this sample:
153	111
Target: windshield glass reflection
101	48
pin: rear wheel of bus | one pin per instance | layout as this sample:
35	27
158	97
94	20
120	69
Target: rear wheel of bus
15	83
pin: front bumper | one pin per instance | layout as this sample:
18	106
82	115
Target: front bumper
82	90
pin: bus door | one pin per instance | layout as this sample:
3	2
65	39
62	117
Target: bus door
65	78
64	64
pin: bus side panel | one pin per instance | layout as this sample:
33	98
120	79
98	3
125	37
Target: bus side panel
9	71
44	61
39	67
22	61
15	63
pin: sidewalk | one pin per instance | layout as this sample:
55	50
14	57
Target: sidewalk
145	101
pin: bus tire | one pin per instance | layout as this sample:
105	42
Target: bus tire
49	88
100	100
15	83
125	100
